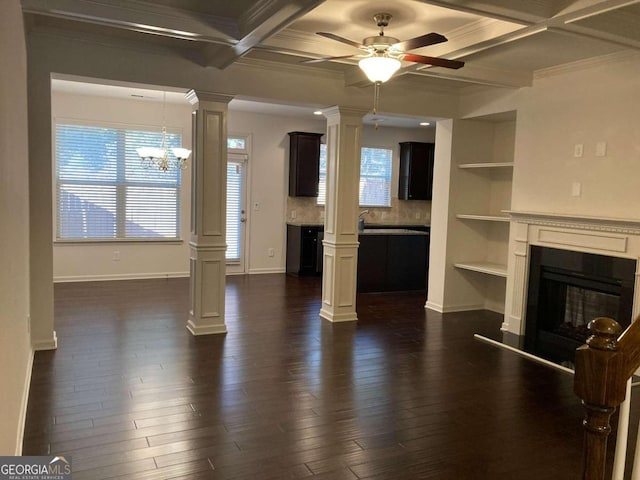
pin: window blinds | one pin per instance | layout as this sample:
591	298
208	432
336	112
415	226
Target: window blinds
104	193
235	183
375	177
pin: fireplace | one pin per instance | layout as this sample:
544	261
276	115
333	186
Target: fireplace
566	290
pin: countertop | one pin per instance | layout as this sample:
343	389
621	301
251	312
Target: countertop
391	231
368	226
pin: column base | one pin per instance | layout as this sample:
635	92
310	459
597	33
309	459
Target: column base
338	317
210	329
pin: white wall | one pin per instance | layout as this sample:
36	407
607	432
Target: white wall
94	261
269	182
15	349
582	105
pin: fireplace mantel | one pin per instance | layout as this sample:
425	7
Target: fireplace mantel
585	222
619	237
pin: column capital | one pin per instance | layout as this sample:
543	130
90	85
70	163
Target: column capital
194	97
336	112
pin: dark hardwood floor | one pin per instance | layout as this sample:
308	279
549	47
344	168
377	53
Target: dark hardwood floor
403	394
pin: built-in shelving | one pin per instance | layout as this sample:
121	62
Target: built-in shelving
486	218
487	165
494	269
483	180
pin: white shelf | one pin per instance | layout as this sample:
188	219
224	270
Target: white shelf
487	218
495	269
487	165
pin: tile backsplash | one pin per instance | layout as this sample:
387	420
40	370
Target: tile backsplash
401	212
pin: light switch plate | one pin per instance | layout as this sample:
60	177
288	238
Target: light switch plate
576	189
601	149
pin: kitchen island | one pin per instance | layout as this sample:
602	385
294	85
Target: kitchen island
390	257
391	260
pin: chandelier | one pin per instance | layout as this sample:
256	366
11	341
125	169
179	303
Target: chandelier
159	157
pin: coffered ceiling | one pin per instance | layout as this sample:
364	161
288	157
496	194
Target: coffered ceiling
503	42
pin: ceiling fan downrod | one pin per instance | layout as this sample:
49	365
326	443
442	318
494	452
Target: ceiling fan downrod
382	20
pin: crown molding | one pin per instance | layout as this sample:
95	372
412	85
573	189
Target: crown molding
287	67
586	64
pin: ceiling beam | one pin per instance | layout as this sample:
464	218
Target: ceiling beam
581	9
263	20
480	75
486	10
139	16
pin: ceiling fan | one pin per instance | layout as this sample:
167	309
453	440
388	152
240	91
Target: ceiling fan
381	55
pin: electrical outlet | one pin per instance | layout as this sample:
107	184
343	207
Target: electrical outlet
601	149
116	256
271	252
578	150
293	214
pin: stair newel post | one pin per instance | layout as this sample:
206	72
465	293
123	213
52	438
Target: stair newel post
600	383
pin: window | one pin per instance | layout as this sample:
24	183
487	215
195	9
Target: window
236	143
104	193
375	176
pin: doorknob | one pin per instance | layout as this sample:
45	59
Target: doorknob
243	219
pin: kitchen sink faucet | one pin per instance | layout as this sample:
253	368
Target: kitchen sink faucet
361	220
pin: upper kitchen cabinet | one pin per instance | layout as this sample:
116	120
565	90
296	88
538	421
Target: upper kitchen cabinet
304	164
416	171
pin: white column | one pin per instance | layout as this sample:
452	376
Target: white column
208	212
340	259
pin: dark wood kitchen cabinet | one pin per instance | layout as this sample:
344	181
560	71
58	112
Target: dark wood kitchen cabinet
304	249
391	263
304	164
416	171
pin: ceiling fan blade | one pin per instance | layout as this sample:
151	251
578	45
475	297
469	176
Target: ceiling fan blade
340	39
435	61
421	41
325	59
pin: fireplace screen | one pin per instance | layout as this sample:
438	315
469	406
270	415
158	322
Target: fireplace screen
582	306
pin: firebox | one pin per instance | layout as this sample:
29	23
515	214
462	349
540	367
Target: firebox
567	289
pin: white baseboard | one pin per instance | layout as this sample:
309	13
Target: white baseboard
22	420
118	276
261	271
453	308
495	308
434	306
47	344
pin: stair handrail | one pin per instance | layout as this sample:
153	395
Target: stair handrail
602	368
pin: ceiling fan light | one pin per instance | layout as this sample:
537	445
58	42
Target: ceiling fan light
379	69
